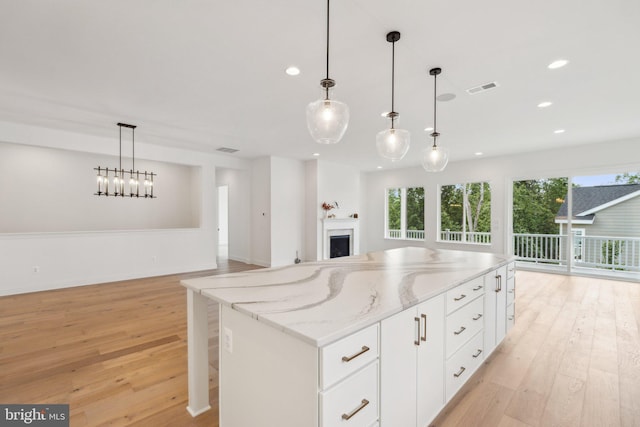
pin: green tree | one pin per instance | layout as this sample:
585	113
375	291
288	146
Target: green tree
393	206
628	178
536	204
415	208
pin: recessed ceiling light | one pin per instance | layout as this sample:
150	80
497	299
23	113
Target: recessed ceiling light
545	104
428	129
292	71
316	154
478	153
559	63
384	114
558	131
379	167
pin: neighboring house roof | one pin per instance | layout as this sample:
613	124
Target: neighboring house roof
587	201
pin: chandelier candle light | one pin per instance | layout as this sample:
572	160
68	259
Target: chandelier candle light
118	174
435	158
393	143
327	119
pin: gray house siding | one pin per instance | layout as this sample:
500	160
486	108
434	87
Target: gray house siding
621	220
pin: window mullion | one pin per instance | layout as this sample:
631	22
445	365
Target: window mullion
403	213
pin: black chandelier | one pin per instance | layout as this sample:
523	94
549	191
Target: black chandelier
117	175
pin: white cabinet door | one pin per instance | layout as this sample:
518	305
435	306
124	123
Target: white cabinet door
398	353
430	377
495	308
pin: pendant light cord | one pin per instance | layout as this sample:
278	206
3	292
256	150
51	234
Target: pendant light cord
120	155
133	149
435	129
393	80
328	40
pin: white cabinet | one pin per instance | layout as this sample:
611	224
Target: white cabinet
498	283
411	365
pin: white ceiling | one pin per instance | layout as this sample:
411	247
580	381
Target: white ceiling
203	74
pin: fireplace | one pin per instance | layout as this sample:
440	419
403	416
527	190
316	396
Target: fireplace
347	232
339	246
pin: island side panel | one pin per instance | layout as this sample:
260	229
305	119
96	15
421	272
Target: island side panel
267	377
198	353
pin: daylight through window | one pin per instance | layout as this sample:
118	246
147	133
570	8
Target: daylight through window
405	213
465	213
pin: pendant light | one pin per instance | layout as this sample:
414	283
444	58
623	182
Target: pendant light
327	119
118	183
435	158
393	143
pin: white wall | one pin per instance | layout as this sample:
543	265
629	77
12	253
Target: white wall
328	182
66	259
239	186
287	210
48	189
500	172
260	241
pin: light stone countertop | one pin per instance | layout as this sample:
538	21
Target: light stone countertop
324	301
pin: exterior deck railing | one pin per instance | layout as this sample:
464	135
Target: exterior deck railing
409	234
603	252
461	236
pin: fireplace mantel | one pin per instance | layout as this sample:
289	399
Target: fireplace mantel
339	226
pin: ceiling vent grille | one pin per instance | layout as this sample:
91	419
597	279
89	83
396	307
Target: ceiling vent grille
227	150
482	88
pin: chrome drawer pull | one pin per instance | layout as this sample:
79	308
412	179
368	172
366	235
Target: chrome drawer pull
477	288
350	358
477	354
364	403
478	316
462	329
457	374
460	297
510	317
424	333
417	341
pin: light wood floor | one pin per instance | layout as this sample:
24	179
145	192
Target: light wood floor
117	354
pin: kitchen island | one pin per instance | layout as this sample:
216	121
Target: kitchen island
314	344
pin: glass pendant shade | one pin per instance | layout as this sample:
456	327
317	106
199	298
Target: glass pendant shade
393	144
327	120
435	158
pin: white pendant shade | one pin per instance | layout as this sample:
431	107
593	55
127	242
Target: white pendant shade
393	144
327	120
435	158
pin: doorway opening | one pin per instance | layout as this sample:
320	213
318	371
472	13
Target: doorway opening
223	222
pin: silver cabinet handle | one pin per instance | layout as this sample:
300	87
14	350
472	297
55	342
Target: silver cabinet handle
417	341
424	332
457	374
348	416
350	358
498	283
478	353
478	316
510	317
460	297
461	330
477	288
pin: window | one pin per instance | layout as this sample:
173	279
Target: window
405	213
465	213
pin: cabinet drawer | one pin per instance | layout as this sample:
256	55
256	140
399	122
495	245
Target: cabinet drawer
356	398
463	364
462	294
464	324
511	315
343	357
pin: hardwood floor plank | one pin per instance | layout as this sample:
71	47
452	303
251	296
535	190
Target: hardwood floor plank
116	352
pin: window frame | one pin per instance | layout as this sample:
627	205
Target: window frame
403	214
464	232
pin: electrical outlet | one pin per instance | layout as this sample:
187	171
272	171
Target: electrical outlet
154	259
36	269
228	340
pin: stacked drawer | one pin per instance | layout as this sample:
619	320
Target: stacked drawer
511	295
464	339
349	380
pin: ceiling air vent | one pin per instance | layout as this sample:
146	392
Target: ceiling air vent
226	150
482	88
